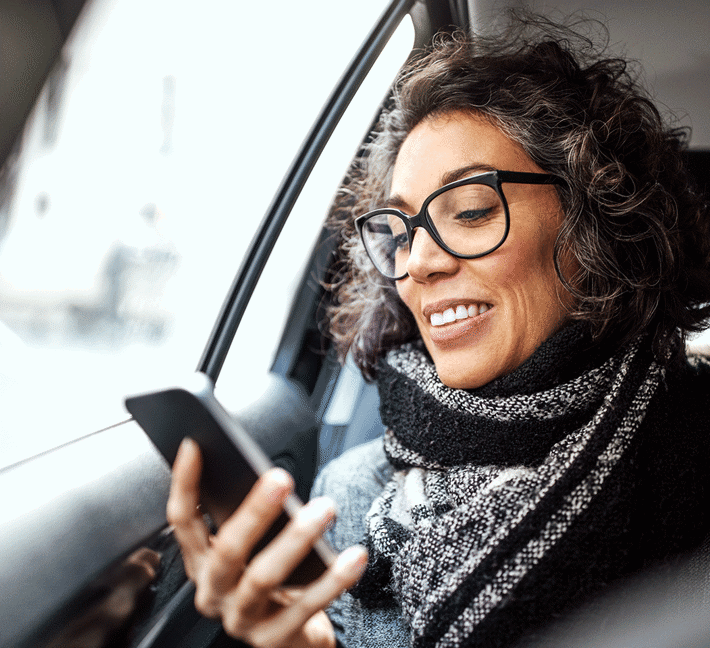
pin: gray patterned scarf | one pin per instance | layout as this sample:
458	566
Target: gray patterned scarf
507	502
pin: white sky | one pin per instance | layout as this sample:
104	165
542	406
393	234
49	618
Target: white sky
247	88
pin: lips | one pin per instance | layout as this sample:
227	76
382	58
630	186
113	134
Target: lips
447	311
459	312
454	321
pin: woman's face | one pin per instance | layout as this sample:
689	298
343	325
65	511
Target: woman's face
515	292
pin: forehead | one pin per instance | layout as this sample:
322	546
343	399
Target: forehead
442	145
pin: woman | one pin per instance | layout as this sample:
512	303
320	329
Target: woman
534	256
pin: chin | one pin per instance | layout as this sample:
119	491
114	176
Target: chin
462	382
451	375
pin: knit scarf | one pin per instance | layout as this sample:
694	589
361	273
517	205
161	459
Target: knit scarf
499	510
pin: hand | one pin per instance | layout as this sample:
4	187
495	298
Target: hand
248	595
100	621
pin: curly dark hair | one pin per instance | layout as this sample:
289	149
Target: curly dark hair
634	222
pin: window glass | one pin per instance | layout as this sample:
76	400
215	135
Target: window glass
148	161
251	355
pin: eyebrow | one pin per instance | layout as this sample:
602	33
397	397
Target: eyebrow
398	202
465	172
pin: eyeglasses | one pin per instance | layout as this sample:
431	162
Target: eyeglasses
468	218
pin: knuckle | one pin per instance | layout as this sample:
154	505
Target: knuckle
256	515
258	638
205	603
304	607
233	626
176	513
303	530
257	582
226	552
190	570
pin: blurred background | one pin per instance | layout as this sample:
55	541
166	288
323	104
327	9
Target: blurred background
150	157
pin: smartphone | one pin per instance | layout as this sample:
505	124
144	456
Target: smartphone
232	459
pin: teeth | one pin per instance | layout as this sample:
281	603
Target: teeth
461	312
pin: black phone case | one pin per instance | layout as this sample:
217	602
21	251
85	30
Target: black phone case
232	460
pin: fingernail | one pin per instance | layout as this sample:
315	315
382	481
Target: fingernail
187	446
279	483
280	477
319	509
353	560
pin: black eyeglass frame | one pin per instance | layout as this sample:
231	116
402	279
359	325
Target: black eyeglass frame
493	179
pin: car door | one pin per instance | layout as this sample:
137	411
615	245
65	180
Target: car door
75	510
93	489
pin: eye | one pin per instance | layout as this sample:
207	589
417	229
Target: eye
471	215
470	205
398	231
400	241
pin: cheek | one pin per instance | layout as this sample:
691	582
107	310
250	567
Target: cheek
405	290
523	270
530	293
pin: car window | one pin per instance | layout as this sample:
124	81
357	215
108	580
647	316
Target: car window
146	166
244	374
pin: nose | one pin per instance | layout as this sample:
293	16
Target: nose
427	260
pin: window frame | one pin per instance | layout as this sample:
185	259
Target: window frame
134	519
428	17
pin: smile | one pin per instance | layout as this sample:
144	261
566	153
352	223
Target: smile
460	312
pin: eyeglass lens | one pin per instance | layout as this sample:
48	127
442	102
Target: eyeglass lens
470	220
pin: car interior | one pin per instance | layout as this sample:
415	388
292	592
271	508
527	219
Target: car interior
60	544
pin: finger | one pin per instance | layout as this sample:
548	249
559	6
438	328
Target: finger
182	509
237	537
120	603
341	576
135	573
127	585
271	566
290	621
99	620
147	560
